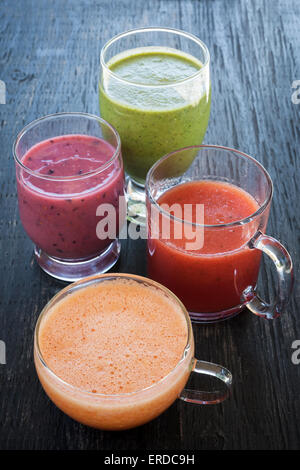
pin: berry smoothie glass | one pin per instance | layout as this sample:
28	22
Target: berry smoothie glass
70	183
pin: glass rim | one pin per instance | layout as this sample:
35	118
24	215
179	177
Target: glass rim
179	32
36	122
236	223
111	276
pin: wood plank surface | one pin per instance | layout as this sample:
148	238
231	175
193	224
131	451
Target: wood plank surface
49	60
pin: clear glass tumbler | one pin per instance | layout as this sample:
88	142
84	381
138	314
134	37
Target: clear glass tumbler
128	410
60	208
217	277
154	89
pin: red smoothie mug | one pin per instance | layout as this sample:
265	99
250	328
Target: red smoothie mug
218	278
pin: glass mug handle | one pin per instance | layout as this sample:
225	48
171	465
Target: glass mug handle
208	398
284	268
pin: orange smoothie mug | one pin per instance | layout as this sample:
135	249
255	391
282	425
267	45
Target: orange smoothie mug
114	351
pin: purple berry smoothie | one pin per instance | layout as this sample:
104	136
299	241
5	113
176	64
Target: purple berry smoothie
58	202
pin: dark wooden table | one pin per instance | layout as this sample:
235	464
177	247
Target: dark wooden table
49	60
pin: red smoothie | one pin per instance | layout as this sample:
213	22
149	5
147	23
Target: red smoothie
210	279
58	202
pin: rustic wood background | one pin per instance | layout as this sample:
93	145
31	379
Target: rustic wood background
49	59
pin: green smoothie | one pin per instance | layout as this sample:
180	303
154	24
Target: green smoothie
158	99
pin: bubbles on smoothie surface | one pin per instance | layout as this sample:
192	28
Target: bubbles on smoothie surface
155	68
146	66
68	155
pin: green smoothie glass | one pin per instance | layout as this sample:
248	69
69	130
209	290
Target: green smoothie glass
154	88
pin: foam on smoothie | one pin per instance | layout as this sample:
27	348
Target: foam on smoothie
152	67
113	337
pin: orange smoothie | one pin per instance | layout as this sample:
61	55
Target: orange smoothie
114	352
